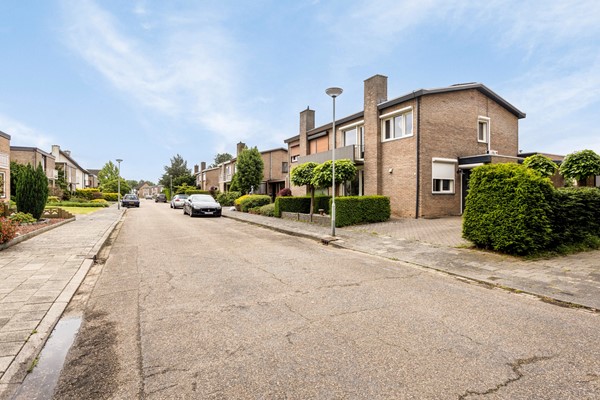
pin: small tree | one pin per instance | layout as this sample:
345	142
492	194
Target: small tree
112	186
303	175
542	164
108	172
32	191
249	167
220	158
345	170
580	165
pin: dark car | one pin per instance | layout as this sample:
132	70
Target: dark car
201	204
161	198
130	200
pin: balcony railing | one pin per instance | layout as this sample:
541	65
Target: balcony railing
351	152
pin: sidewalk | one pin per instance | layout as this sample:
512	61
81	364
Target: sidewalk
573	279
38	278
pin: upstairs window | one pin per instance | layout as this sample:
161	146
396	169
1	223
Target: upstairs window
318	145
397	125
483	129
284	167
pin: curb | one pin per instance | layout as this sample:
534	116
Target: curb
29	235
16	373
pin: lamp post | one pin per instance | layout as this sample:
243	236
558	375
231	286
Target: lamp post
119	183
333	92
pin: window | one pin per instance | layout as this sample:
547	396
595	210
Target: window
397	126
350	137
355	136
483	129
443	172
319	145
295	158
284	167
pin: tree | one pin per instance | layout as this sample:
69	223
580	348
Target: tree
580	165
32	191
178	172
220	158
112	186
303	175
109	172
133	183
15	171
249	167
345	170
541	164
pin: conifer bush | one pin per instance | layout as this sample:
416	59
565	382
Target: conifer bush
32	191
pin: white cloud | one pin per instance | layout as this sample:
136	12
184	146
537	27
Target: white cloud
192	74
23	135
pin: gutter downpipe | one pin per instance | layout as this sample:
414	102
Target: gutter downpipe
418	156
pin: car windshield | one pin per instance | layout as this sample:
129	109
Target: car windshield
130	197
201	197
181	196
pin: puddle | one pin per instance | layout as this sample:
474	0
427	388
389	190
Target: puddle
40	383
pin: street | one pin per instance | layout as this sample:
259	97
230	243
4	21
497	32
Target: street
212	308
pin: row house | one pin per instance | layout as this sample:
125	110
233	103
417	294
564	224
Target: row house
35	157
149	191
4	167
417	149
75	176
275	170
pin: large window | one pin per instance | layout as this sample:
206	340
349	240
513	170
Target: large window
355	136
483	129
397	125
443	172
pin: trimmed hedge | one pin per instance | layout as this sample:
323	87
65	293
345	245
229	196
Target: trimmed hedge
508	209
300	204
249	201
352	210
576	215
228	198
88	193
110	196
78	204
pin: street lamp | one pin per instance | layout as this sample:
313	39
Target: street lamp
333	92
119	183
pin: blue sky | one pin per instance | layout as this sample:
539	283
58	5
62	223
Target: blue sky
145	80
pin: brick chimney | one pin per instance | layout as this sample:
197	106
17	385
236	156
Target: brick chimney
307	123
196	168
240	147
375	93
202	166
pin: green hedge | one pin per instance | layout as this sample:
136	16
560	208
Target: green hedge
300	204
110	196
77	204
88	193
576	215
226	199
352	210
253	200
508	209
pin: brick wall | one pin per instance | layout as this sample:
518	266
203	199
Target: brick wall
5	154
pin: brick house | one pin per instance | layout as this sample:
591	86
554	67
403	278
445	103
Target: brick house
419	148
147	190
275	170
35	157
4	167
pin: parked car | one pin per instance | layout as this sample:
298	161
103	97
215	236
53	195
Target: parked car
130	200
201	204
178	200
148	197
161	198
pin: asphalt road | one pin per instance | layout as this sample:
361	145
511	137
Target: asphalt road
211	308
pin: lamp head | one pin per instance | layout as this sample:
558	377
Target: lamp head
119	160
334	91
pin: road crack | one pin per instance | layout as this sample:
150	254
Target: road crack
516	369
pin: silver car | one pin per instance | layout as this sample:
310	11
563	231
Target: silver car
201	204
178	200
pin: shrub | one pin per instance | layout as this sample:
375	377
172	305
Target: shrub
285	192
87	193
110	196
249	201
227	199
75	199
580	164
352	210
53	199
32	191
8	229
541	164
575	215
22	218
268	210
508	209
300	204
100	201
92	203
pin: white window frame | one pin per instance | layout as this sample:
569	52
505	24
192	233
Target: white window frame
442	177
391	118
485	120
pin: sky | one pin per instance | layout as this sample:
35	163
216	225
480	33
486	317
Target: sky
145	80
